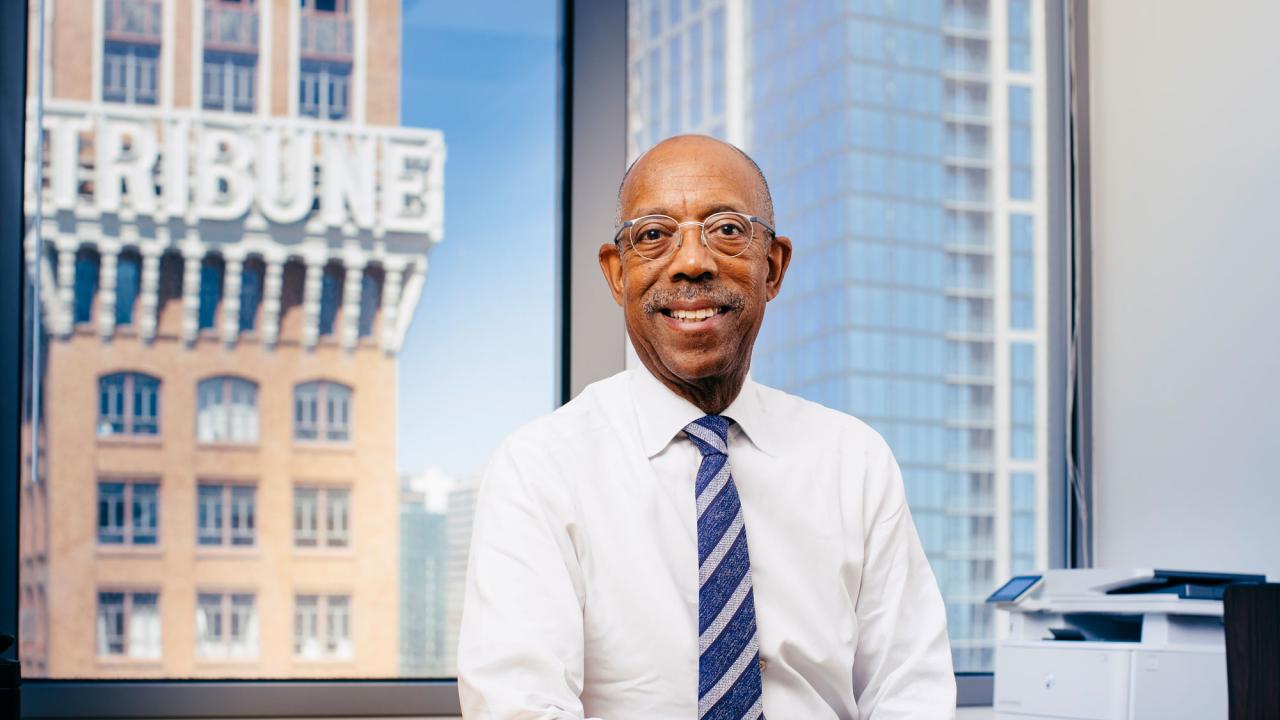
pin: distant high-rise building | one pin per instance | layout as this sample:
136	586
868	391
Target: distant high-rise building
234	240
460	520
424	575
903	143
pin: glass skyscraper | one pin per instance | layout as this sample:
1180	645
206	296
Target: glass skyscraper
903	141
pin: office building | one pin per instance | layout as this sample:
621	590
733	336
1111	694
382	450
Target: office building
234	235
424	558
904	145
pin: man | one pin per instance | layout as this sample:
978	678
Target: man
680	541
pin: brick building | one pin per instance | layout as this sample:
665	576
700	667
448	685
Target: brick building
233	237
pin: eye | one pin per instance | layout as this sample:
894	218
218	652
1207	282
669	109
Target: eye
727	228
651	235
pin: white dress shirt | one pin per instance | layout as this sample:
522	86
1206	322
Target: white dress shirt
582	590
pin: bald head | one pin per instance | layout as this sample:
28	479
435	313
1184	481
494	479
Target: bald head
683	146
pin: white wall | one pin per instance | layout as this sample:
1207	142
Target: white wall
1185	123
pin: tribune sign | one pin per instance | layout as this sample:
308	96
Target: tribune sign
193	166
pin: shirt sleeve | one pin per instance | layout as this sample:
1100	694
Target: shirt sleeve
520	649
902	666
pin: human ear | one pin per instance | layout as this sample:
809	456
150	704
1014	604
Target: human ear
611	265
778	256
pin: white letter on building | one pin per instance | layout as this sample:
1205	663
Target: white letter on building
348	178
64	151
288	201
225	188
177	187
133	167
406	186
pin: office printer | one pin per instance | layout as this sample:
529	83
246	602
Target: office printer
1102	644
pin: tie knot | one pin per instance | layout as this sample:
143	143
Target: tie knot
710	434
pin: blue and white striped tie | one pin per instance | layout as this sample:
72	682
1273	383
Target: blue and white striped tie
728	650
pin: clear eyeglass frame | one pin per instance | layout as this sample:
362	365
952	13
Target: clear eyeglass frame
670	235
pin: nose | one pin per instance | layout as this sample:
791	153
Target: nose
692	261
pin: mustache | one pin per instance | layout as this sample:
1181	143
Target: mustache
718	296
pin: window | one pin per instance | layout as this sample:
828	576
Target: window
880	153
1023	504
323	89
1020	164
226	626
129	72
210	298
1020	35
1022	399
227	410
129	404
128	275
129	625
229	80
225	515
322	411
211	271
322	627
128	512
330	297
1022	271
132	33
370	299
321	517
251	279
86	284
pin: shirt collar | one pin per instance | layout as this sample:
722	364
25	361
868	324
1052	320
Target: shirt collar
662	414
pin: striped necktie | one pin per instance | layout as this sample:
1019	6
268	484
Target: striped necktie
728	650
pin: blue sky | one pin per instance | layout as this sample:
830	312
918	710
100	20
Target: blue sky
479	359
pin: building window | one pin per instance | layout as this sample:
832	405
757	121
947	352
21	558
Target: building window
227	410
322	411
129	625
326	46
211	272
1022	282
86	284
229	80
326	29
1022	546
129	404
226	514
251	278
1022	401
675	83
128	513
128	275
324	89
226	626
322	627
321	517
230	55
1020	149
370	300
1020	35
695	75
331	281
131	51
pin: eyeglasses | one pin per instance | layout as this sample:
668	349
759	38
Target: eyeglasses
727	234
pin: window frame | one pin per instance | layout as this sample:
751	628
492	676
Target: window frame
227	490
128	530
593	148
129	416
322	392
227	385
320	535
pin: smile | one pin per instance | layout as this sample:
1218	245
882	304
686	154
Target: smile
692	316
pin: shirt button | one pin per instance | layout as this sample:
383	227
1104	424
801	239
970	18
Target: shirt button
763	664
